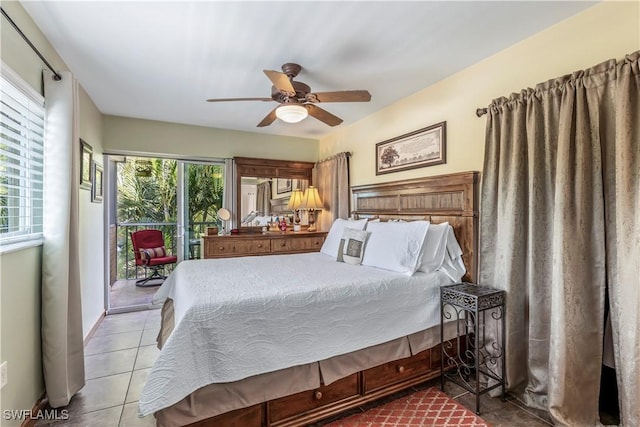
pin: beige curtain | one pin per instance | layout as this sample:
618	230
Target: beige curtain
622	193
62	339
559	223
263	198
331	176
301	184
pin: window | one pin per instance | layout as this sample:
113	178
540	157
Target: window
21	160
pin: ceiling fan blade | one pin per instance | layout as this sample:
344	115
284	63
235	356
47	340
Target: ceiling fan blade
270	118
340	96
281	82
323	115
238	99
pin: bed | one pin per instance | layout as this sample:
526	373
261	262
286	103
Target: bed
351	334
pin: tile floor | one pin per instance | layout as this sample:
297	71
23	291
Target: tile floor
118	358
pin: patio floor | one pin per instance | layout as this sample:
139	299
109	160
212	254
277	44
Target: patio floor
125	293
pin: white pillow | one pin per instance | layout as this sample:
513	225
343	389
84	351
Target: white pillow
351	248
331	243
435	247
372	220
395	246
453	266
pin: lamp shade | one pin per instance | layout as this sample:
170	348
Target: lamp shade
295	200
311	199
291	113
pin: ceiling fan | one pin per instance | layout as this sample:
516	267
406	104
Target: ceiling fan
296	99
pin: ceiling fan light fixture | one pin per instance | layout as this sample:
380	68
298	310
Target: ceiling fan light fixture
292	113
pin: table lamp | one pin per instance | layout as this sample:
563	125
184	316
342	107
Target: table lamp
311	202
294	205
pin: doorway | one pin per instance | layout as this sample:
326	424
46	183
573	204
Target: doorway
179	198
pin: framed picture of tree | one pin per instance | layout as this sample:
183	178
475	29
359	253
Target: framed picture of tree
424	147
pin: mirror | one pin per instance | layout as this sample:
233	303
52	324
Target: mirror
264	187
264	199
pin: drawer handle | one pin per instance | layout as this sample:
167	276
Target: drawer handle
221	248
400	369
283	244
316	243
317	395
259	245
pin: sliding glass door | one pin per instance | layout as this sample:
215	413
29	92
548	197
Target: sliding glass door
200	195
179	198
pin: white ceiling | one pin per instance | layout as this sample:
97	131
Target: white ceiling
162	60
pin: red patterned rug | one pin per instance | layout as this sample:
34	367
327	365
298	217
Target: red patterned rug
429	407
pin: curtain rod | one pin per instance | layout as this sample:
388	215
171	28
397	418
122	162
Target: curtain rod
346	153
56	76
481	112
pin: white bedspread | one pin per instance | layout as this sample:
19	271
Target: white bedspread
239	317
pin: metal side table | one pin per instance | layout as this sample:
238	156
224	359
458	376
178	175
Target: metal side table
477	362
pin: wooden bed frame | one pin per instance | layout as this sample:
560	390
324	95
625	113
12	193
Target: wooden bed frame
449	198
452	198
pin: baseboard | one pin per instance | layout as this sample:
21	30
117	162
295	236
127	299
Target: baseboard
38	407
94	328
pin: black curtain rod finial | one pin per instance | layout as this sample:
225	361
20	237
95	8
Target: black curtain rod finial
481	112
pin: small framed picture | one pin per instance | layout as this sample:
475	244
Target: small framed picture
283	186
424	147
97	193
86	159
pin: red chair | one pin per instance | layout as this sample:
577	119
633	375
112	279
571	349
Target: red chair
150	253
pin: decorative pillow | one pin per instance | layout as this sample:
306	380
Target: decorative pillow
395	246
351	247
434	248
150	253
331	243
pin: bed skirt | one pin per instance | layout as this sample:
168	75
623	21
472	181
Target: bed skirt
216	399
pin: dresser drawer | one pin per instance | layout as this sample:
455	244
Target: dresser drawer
259	246
222	247
301	244
262	244
288	406
397	371
245	417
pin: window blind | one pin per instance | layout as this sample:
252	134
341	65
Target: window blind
21	160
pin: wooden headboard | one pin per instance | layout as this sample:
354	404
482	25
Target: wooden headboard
451	198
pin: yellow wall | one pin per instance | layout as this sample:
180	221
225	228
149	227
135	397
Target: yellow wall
606	30
135	136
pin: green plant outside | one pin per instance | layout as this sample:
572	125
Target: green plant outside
147	198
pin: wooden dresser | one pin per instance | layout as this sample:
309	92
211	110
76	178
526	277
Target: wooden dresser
269	243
